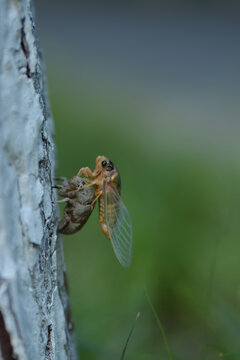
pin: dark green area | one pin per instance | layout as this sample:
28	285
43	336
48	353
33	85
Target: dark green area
185	210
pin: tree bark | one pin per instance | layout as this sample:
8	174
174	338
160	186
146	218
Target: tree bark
34	311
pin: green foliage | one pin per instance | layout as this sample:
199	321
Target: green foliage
160	326
223	353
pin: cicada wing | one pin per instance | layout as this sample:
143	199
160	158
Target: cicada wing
119	225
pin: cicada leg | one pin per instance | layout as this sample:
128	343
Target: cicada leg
85	186
56	186
99	194
87	180
61	201
86	171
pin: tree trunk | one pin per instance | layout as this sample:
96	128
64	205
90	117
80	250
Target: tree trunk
34	313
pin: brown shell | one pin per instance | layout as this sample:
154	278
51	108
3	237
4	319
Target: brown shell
78	207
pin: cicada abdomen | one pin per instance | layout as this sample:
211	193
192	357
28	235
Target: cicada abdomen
119	224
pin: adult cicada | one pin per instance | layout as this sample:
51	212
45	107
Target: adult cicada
114	218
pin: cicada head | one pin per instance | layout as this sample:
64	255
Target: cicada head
108	171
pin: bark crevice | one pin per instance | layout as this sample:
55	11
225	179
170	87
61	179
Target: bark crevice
25	48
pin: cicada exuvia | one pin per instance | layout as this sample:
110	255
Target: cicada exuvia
78	204
114	218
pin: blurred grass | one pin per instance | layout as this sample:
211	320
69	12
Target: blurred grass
129	337
185	209
160	326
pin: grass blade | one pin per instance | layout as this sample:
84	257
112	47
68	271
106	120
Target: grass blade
160	326
129	336
223	353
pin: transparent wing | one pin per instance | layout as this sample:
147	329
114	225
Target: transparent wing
119	225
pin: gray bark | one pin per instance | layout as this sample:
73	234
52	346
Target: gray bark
34	313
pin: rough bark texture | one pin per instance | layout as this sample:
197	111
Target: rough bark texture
34	314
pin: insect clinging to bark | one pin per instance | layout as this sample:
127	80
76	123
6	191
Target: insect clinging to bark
79	204
114	219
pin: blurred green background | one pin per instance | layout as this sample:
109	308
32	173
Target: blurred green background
156	89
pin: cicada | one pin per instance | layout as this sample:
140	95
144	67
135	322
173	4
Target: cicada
114	218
